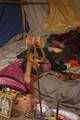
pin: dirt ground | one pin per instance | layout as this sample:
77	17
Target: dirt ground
23	116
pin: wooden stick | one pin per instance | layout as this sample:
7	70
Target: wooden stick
9	2
23	20
57	109
25	2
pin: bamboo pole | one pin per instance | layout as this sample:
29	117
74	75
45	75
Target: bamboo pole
21	2
23	20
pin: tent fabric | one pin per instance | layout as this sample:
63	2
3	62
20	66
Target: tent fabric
64	15
40	20
37	14
10	50
10	22
57	17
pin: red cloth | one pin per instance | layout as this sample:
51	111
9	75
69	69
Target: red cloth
74	63
78	29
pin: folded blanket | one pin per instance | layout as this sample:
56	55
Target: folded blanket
12	76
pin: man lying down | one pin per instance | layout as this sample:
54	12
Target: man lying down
53	88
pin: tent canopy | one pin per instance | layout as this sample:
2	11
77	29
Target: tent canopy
43	17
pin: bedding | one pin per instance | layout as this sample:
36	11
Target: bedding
53	89
12	76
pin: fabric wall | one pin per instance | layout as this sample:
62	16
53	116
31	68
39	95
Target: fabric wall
37	15
64	15
10	22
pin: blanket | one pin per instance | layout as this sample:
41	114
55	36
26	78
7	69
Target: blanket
53	89
12	76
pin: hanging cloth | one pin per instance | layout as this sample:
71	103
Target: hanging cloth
64	15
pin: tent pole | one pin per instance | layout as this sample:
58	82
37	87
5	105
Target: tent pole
23	21
18	2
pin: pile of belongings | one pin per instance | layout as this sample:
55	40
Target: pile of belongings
69	58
